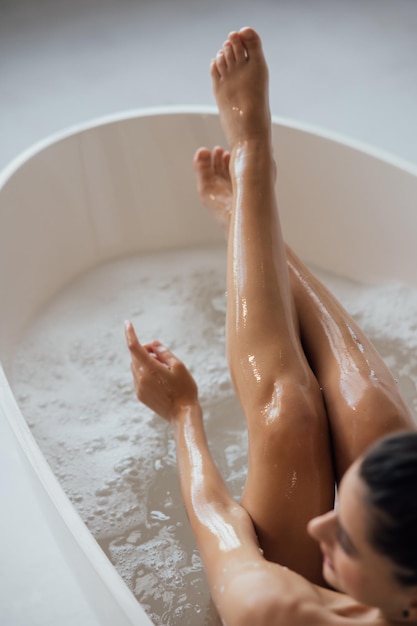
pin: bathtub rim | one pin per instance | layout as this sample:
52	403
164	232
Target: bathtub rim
52	497
382	155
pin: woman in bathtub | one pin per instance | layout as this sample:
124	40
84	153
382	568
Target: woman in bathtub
315	394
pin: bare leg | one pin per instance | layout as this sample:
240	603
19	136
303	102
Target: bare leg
362	399
290	475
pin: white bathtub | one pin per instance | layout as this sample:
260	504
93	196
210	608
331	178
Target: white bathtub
101	191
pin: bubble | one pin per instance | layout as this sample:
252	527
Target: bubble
159	516
104	491
134	537
99	511
116	458
124	465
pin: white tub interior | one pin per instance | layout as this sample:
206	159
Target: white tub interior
125	186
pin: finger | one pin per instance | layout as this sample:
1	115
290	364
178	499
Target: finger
137	380
164	355
133	343
131	338
155	356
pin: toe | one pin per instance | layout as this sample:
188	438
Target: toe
228	53
221	63
250	39
238	47
226	162
214	72
218	160
202	159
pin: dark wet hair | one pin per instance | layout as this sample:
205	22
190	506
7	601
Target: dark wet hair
389	470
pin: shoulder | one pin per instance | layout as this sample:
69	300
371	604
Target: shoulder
273	596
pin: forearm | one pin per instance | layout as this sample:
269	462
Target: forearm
223	529
245	588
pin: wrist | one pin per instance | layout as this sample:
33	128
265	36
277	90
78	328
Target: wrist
185	412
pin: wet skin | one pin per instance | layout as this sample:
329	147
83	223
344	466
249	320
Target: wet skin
287	338
355	381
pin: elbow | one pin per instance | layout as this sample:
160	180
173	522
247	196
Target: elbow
259	612
256	607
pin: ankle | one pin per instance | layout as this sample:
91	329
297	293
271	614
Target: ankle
253	154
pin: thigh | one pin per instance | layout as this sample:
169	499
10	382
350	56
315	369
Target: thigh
360	394
290	475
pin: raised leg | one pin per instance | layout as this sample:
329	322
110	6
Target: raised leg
362	399
361	396
290	474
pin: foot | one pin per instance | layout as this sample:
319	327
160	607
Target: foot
240	85
214	184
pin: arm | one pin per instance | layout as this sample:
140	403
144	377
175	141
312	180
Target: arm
245	588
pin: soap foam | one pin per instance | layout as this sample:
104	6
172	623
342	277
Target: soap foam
113	457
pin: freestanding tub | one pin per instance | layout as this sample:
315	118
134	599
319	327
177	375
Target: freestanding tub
99	192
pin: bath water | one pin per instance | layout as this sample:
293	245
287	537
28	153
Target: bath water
113	457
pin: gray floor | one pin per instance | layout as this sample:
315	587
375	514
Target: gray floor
349	66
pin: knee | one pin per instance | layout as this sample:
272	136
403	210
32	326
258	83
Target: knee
382	409
291	408
372	403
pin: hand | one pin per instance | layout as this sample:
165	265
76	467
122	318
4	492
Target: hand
162	381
